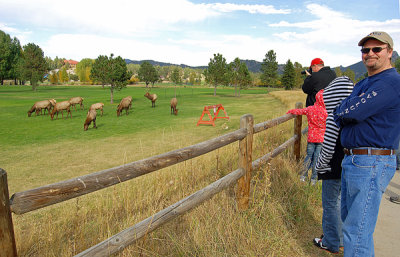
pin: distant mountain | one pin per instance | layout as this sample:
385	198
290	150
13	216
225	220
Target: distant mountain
255	66
252	65
154	63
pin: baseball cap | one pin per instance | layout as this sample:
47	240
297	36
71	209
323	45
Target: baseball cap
316	61
378	35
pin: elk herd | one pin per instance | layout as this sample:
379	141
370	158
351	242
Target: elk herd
53	107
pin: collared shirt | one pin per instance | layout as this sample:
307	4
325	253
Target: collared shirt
370	116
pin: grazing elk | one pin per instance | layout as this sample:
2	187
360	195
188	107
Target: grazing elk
53	103
152	98
38	106
174	103
97	106
126	103
61	106
76	100
91	116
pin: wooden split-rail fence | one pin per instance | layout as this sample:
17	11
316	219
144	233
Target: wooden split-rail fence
26	201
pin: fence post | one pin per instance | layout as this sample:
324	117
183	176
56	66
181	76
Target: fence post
297	132
245	160
7	239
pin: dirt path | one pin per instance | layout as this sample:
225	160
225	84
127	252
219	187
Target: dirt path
387	231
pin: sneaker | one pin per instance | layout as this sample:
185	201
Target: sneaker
318	243
340	247
395	199
303	178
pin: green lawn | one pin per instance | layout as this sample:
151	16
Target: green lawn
37	150
17	129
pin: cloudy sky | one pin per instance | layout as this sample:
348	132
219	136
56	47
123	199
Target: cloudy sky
191	31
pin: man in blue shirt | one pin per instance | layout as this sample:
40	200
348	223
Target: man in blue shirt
370	122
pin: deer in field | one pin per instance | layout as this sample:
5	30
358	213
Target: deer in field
125	104
76	100
174	103
61	106
152	98
91	117
97	106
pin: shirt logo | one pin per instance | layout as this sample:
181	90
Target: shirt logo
356	105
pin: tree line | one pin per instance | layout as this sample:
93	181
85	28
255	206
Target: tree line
28	63
21	64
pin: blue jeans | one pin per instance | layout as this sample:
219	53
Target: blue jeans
331	221
398	158
313	150
364	180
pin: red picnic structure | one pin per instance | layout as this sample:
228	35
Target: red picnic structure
216	108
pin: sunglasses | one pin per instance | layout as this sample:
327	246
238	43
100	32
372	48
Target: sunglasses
376	49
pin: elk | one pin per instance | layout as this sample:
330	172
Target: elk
126	103
61	106
97	106
91	116
38	106
77	100
53	103
174	103
152	98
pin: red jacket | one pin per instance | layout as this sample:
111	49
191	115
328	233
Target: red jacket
316	116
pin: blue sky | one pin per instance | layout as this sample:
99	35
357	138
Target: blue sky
190	32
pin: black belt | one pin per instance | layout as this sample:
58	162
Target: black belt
367	151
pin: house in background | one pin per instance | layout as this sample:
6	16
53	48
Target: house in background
72	63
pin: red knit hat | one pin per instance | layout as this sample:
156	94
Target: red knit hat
317	61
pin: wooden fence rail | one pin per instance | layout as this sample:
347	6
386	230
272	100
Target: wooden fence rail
33	199
130	235
40	197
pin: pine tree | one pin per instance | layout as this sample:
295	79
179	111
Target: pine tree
288	77
298	77
176	76
269	69
215	73
34	65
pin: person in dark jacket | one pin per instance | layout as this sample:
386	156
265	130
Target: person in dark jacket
320	77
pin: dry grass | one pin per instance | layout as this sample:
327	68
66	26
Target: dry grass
290	98
283	217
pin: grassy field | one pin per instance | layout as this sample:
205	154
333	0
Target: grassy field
283	218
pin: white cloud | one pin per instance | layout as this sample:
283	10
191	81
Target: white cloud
332	27
119	17
108	17
331	35
262	9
